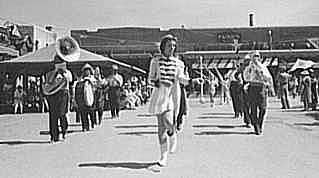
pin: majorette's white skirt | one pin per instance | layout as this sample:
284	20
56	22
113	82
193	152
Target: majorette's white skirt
165	99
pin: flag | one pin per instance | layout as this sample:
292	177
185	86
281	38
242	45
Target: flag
15	31
302	64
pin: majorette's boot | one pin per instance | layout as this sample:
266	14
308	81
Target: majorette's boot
164	153
173	143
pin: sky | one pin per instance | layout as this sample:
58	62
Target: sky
164	14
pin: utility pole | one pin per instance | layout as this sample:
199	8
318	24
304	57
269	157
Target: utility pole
201	99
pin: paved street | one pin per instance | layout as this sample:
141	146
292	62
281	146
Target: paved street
212	144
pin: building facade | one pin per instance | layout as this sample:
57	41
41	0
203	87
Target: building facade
138	45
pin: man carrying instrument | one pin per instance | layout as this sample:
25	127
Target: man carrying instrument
56	86
84	97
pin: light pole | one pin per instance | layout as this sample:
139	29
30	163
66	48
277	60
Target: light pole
201	99
270	39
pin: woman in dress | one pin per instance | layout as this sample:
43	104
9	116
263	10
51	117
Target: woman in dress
100	85
166	74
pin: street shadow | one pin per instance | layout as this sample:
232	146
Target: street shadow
128	165
218	113
145	115
296	107
23	142
292	110
75	125
135	126
307	124
315	115
223	133
219	126
138	133
45	132
214	117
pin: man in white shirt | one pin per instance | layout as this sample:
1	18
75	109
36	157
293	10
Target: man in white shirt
259	80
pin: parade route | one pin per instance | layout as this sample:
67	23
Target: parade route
212	144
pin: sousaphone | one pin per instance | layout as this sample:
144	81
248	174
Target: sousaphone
67	50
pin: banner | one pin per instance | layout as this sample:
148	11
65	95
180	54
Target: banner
302	64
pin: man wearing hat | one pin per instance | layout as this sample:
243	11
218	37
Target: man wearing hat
56	86
245	103
259	80
283	79
84	97
314	90
306	89
115	82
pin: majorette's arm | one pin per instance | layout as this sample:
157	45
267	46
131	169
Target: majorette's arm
153	72
182	74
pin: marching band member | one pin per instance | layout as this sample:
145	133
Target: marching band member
212	85
84	97
166	74
56	86
99	93
258	80
115	82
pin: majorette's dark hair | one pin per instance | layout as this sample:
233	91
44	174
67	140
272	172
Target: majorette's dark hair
164	40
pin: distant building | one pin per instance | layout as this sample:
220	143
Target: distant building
25	38
137	45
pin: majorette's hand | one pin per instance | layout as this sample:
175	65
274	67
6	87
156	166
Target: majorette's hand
246	86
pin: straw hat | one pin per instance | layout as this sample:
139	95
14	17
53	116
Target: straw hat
87	66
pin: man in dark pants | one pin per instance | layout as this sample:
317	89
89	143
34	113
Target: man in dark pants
236	94
257	94
115	82
258	79
245	104
283	84
81	97
314	90
56	86
58	101
58	104
246	108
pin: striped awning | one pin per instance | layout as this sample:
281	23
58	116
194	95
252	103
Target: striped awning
9	51
231	63
218	63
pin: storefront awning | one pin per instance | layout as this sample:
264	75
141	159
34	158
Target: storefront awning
231	63
41	60
9	51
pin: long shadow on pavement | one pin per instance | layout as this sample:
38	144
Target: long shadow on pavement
75	125
138	133
308	124
23	142
315	115
219	126
218	113
214	117
134	126
45	132
223	133
145	115
129	165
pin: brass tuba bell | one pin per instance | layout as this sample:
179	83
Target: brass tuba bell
67	49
